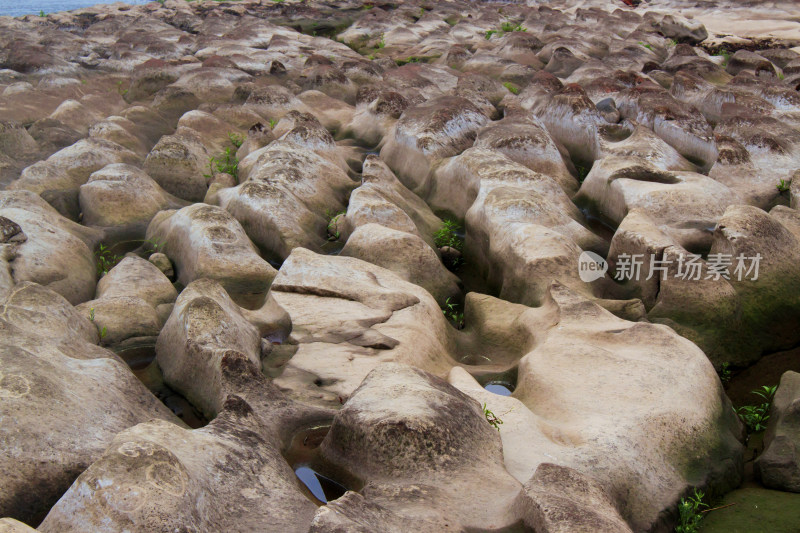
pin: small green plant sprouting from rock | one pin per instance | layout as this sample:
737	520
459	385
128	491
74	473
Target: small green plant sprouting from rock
41	13
120	90
672	42
582	171
236	139
447	235
409	59
511	87
351	45
272	123
333	224
508	27
153	245
690	510
103	331
493	420
782	186
505	27
725	55
755	416
646	45
382	42
725	372
106	259
781	76
451	312
227	163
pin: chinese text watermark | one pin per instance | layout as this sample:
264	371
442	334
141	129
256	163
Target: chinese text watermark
636	267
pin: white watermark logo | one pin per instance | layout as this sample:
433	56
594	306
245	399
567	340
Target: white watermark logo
634	267
688	267
591	267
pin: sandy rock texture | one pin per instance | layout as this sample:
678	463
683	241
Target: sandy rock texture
394	265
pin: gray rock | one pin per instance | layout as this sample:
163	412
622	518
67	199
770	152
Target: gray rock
57	252
56	393
682	29
204	241
779	464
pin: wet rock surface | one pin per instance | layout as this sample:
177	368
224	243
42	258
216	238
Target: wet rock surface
778	466
395	266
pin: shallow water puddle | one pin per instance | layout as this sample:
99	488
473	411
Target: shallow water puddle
322	488
304	457
138	357
502	389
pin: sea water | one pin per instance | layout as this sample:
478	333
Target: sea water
17	8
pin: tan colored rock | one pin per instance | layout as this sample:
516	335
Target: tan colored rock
560	499
204	325
122	199
126	305
285	192
400	412
426	133
526	142
304	130
778	466
204	241
773	147
569	115
58	178
134	276
333	113
682	29
179	164
382	199
211	84
75	115
213	132
768	306
375	114
9	525
154	474
258	136
57	252
121	318
55	390
522	229
162	263
121	131
347	317
675	290
405	254
605	428
685	205
682	126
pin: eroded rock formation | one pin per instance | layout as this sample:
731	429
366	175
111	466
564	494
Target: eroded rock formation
321	232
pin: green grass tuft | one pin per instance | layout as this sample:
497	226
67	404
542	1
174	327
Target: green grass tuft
511	87
447	235
690	511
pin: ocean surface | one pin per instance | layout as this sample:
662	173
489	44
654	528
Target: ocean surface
17	8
